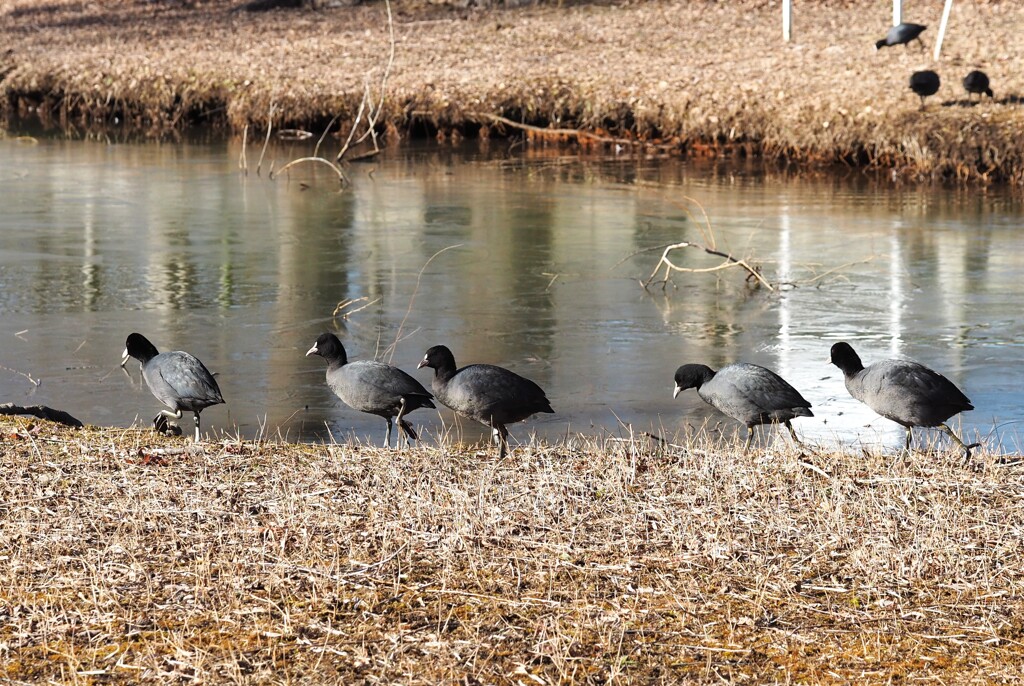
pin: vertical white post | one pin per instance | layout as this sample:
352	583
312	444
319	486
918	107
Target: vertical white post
942	27
897	12
787	20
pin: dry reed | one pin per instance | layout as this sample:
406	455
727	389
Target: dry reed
688	78
128	558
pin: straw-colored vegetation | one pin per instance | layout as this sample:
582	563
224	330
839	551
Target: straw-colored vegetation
683	77
126	558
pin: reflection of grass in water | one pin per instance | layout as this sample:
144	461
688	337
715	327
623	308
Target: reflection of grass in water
129	557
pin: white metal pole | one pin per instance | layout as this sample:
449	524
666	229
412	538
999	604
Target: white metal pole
897	12
942	27
787	20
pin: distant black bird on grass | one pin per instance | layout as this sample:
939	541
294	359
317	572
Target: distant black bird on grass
177	379
746	392
491	395
901	34
906	392
977	82
372	387
924	83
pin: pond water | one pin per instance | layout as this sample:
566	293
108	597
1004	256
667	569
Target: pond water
530	261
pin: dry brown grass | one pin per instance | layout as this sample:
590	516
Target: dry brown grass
691	77
583	562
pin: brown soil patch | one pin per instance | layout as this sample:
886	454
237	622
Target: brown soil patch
691	77
127	558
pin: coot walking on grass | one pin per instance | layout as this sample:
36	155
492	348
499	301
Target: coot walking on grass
906	392
977	82
901	34
491	395
371	387
748	393
924	83
177	379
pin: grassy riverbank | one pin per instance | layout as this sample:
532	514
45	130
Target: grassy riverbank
688	78
126	558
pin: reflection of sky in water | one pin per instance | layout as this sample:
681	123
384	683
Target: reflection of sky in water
172	240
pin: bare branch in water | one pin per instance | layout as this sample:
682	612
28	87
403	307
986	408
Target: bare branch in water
342	179
730	261
266	141
345	304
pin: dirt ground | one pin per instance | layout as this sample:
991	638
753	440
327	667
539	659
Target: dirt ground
130	558
711	78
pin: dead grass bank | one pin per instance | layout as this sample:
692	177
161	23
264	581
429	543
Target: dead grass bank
128	558
689	77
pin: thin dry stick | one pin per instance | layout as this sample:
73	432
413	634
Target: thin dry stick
835	269
709	236
34	382
342	179
243	164
384	79
390	351
352	131
266	141
316	150
347	303
372	116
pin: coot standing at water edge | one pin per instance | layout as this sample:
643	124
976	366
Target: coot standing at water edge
372	387
748	393
977	82
906	392
493	396
177	379
924	83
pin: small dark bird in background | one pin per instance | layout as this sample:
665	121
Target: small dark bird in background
977	82
901	34
924	83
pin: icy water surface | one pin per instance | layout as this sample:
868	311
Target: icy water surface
531	263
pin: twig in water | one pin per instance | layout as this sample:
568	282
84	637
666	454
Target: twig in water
266	141
243	164
412	299
327	129
342	179
34	382
352	301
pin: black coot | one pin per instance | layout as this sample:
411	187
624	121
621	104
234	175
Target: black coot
906	392
924	83
977	82
901	34
491	395
177	379
371	387
746	392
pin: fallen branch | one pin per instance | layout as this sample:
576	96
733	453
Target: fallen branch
575	133
730	261
43	412
342	179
